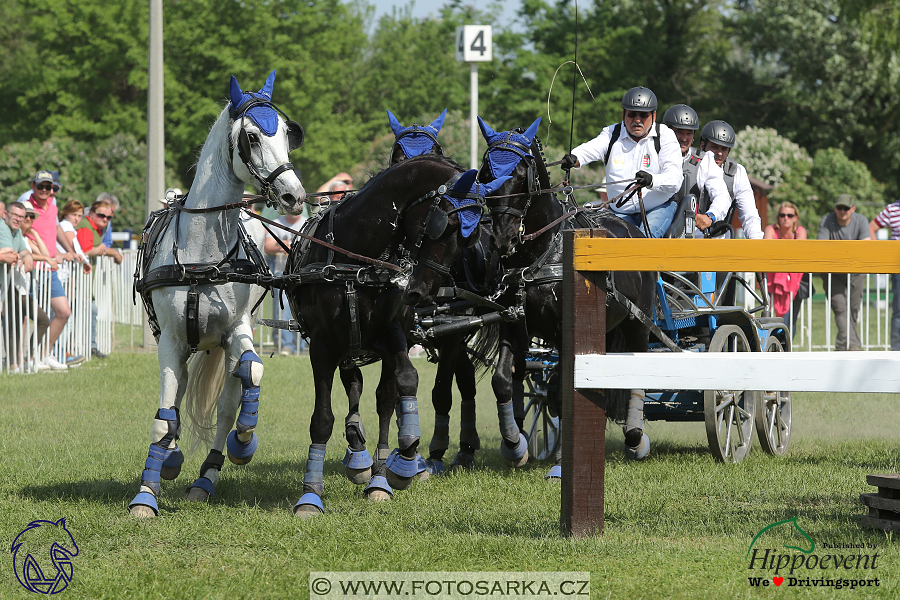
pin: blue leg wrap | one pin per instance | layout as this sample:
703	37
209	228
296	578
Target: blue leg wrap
555	472
421	467
243	370
238	452
434	466
160	455
205	484
357	460
145	499
379	483
310	499
242	452
408	422
214	460
313	480
402	466
174	459
511	433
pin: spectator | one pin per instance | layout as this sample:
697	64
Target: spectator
786	286
845	224
2	210
14	250
89	233
46	227
890	217
290	340
339	183
69	216
107	230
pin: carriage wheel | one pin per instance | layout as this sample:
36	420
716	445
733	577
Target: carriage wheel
773	416
729	413
541	427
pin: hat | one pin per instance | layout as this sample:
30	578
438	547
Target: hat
56	179
29	208
844	200
42	176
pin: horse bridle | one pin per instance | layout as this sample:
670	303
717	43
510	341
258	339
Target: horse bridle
524	153
296	135
416	129
436	219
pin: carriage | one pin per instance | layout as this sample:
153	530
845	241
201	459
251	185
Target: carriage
691	315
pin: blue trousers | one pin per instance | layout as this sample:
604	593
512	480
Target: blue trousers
659	219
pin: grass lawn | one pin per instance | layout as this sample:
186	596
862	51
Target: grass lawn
677	525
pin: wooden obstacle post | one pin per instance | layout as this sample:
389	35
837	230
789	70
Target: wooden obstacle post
584	436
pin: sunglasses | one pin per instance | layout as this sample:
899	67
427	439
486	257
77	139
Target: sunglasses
786	215
45	187
55	188
637	115
102	216
841	208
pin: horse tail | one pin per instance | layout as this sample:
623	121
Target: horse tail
206	378
617	400
485	348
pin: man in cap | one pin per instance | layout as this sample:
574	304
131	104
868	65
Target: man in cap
845	224
638	149
46	225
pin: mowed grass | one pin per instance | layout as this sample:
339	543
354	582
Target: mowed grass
678	525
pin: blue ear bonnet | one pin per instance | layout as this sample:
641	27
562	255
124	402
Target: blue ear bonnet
416	140
460	196
263	115
503	160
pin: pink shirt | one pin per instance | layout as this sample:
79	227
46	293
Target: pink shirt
45	223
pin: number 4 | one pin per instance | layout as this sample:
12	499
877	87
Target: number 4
460	47
479	39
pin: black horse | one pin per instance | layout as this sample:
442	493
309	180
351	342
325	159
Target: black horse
475	270
533	279
350	308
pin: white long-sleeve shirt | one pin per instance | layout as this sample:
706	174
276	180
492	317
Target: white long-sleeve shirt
628	156
745	203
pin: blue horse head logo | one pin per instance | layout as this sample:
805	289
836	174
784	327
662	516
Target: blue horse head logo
416	140
263	115
42	556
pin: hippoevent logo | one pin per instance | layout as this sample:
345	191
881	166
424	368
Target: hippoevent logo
42	556
783	554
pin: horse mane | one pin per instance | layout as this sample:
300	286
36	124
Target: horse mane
423	157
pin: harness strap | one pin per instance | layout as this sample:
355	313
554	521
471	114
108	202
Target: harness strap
353	310
192	318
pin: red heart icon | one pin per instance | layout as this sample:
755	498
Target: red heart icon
778	580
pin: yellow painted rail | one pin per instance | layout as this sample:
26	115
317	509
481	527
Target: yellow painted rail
785	256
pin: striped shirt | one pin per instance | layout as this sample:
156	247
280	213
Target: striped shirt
890	217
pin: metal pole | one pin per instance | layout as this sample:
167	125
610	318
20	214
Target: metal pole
156	185
473	113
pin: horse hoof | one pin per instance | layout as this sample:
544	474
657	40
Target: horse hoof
358	476
640	451
309	505
142	512
423	475
515	464
305	511
170	473
398	482
378	496
515	457
463	461
196	494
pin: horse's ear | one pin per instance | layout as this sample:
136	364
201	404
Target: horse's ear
439	122
532	130
490	188
396	127
236	93
466	181
266	90
486	131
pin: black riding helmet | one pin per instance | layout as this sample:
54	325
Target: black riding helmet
718	132
639	99
682	116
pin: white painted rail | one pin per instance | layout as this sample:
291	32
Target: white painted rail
853	372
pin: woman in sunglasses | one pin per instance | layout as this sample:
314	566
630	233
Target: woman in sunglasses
785	286
89	231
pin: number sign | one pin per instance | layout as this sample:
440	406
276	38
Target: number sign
473	43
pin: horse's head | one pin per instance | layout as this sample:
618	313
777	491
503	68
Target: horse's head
415	140
509	154
261	139
438	226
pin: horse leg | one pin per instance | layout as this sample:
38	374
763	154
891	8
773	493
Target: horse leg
164	451
357	461
442	400
227	407
378	489
320	428
404	463
469	441
514	446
